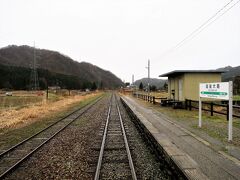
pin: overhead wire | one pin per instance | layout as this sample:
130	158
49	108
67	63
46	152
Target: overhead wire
205	23
203	26
208	24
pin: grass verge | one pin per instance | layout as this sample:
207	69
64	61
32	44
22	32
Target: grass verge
236	97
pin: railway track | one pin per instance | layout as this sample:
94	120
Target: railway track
114	161
14	156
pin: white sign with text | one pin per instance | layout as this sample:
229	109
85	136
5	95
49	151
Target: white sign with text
218	90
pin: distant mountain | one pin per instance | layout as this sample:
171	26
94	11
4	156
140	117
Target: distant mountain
159	83
230	73
52	61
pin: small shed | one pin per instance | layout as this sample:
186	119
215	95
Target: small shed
184	84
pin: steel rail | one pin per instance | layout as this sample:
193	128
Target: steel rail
34	135
39	146
97	174
133	173
127	146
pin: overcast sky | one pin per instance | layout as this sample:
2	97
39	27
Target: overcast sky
122	35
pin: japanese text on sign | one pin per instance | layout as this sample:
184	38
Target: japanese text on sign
214	90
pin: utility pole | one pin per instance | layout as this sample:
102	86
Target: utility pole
148	68
133	79
34	83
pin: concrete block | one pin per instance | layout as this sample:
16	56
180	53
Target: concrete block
162	139
195	174
152	129
184	162
173	151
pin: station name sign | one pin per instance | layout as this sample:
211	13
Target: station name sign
219	90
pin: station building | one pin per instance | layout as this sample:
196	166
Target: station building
184	84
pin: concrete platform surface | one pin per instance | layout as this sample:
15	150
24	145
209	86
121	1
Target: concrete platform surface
193	155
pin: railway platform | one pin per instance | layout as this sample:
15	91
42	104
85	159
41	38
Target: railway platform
195	156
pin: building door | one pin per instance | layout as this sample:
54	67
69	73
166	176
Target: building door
169	88
180	89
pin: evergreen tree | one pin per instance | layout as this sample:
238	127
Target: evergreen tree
127	84
101	85
141	86
153	88
165	86
94	86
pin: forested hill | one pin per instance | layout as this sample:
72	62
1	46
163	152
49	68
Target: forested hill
58	64
159	83
231	72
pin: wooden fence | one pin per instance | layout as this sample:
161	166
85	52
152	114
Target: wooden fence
214	107
211	107
149	98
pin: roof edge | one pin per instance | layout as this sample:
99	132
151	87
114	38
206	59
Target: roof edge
190	71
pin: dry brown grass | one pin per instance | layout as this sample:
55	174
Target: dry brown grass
25	93
15	118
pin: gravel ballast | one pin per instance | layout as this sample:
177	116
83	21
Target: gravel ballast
66	156
73	153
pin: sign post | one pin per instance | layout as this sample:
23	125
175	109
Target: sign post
230	111
200	113
218	90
